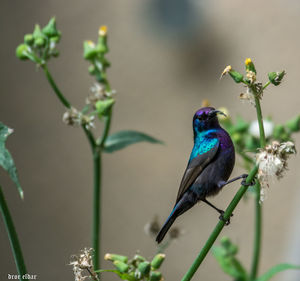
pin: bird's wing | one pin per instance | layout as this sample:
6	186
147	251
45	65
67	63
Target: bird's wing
194	169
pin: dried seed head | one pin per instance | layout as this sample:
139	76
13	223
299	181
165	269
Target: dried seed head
251	76
226	70
82	264
272	163
73	117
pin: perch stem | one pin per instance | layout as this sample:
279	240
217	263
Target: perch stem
12	235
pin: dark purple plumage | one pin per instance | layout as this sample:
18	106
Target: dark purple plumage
210	165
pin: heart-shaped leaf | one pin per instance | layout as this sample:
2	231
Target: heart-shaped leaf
6	160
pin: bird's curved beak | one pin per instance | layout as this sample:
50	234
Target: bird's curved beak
214	113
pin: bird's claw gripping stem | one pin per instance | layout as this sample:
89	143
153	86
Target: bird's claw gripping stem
244	183
221	217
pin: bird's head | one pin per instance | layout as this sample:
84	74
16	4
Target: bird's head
206	118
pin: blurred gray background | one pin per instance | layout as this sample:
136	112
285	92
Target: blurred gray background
166	57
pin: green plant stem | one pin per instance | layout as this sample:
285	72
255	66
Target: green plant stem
257	234
266	85
105	133
96	237
214	235
12	235
258	208
96	151
260	123
58	93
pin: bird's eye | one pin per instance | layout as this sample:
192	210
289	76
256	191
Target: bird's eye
202	117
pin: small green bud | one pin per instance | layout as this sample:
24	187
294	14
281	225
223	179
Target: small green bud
276	77
21	51
144	268
121	266
225	241
38	36
249	65
158	260
115	257
39	42
236	76
28	39
55	39
37	33
294	124
103	106
139	258
102	40
50	29
89	50
92	69
230	248
155	276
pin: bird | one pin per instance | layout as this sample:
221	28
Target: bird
209	167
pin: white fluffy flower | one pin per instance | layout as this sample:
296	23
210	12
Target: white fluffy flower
248	96
272	163
98	92
81	263
73	117
268	127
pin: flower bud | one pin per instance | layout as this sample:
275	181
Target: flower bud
144	268
249	65
50	29
92	69
276	77
236	76
28	39
102	40
157	261
139	258
39	42
155	276
55	39
103	106
21	51
115	257
37	32
89	50
121	266
229	246
294	124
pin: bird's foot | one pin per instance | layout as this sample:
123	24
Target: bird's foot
221	218
244	183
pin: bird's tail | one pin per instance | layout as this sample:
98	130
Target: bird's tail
185	203
162	233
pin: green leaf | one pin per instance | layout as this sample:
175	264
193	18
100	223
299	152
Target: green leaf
123	276
276	269
6	160
122	139
226	257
